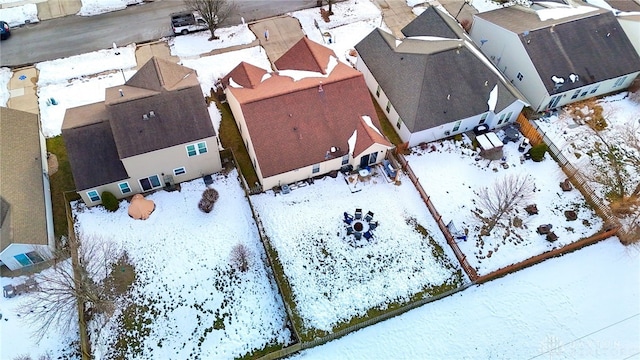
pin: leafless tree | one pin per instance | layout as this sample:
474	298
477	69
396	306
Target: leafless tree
54	303
502	197
214	12
241	258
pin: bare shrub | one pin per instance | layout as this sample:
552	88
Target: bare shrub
209	198
502	197
241	258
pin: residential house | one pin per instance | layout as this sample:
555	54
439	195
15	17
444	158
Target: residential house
312	116
153	131
557	54
628	14
26	217
435	83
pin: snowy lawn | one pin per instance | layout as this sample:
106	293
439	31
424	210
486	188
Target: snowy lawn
583	305
351	22
332	281
187	300
451	175
579	144
197	43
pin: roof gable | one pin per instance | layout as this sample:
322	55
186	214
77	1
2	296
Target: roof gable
305	55
430	23
434	82
245	75
159	74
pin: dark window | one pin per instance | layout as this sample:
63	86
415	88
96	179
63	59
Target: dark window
519	76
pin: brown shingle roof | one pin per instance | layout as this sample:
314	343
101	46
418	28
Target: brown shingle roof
293	124
305	55
246	75
21	183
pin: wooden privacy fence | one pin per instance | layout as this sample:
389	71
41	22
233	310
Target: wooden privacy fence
547	255
462	258
573	174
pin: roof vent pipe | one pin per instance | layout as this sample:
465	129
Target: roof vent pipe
121	92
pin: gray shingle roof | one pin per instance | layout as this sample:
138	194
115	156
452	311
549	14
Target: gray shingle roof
430	23
21	184
433	82
592	45
91	149
99	135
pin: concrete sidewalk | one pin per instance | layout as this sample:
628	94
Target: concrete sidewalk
283	32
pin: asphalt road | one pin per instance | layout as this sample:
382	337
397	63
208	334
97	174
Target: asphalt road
72	35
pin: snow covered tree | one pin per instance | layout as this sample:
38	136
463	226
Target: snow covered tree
213	12
240	258
499	199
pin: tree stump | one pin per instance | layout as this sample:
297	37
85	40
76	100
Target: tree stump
531	209
566	185
551	237
570	215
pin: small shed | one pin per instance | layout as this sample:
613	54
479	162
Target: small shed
140	208
490	145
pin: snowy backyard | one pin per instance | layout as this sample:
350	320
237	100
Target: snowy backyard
189	301
335	277
452	173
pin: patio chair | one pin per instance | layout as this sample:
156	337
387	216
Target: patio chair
373	225
349	230
358	235
358	214
368	235
348	218
369	216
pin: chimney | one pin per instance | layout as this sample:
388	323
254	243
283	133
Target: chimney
121	92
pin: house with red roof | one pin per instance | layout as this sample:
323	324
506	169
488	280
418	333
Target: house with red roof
311	116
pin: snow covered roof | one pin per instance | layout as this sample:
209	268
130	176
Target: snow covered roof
419	63
301	113
603	51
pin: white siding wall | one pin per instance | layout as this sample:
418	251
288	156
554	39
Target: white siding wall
7	256
631	26
585	92
236	110
505	50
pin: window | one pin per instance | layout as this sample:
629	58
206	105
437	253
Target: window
388	108
373	157
345	159
34	257
620	81
457	126
93	195
378	91
519	76
584	93
399	123
196	149
316	168
575	94
29	258
149	183
554	101
483	118
594	89
179	171
124	188
501	119
508	118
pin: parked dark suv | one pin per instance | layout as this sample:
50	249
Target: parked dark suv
5	31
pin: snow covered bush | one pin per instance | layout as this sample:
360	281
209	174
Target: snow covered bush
537	152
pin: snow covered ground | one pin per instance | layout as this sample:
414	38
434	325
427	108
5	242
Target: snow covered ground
577	141
584	304
334	277
451	176
183	273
